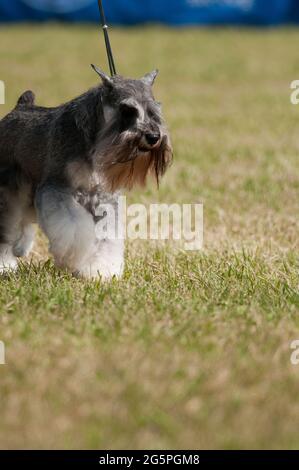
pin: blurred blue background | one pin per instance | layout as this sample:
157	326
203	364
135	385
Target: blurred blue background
173	12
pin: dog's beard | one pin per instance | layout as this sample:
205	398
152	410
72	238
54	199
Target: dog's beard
124	163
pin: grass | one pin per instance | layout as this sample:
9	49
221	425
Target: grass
188	350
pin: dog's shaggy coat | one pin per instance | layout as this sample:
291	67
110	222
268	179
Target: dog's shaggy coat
58	165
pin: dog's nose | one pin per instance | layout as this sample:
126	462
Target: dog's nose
152	139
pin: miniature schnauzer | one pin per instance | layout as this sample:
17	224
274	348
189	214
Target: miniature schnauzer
57	165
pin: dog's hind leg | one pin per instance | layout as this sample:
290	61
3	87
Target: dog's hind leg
68	226
23	245
7	259
16	233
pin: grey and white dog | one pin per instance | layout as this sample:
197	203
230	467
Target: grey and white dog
58	164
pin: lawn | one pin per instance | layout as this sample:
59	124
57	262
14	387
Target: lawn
189	349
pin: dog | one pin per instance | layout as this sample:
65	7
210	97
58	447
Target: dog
57	165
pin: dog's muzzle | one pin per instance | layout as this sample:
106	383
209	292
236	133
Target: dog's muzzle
150	141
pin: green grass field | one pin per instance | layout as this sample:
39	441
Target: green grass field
188	350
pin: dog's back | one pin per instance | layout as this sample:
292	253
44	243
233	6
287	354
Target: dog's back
23	137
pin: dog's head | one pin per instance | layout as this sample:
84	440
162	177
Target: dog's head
134	140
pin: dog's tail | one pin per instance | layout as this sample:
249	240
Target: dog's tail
26	99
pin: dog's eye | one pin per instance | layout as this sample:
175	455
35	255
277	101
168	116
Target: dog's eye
128	111
129	115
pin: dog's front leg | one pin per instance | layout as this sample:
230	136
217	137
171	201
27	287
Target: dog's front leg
106	262
107	259
68	226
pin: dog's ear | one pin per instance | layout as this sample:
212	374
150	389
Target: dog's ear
149	78
105	78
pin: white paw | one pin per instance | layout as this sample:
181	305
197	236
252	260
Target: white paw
105	263
96	271
7	261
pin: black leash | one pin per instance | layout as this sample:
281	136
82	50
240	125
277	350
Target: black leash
107	41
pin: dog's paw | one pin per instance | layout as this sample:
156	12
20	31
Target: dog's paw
99	270
7	261
6	268
95	273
